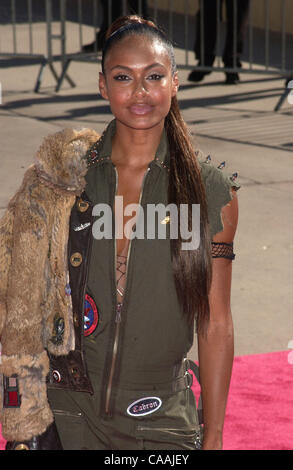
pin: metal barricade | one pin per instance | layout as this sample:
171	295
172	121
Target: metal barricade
31	41
10	30
204	6
17	26
184	21
184	27
61	37
95	55
260	57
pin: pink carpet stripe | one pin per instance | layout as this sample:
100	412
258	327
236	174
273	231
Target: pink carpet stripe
259	412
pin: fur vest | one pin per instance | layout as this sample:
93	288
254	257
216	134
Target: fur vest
33	273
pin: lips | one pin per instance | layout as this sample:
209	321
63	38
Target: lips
141	109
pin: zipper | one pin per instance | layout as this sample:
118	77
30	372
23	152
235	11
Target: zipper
117	316
150	428
189	432
119	306
195	434
67	413
114	357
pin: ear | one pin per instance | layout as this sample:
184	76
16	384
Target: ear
103	86
175	84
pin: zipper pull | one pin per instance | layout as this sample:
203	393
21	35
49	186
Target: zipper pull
118	313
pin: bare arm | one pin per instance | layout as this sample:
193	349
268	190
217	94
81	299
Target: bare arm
216	348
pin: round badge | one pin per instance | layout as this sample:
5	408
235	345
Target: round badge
22	446
82	205
56	376
76	260
91	316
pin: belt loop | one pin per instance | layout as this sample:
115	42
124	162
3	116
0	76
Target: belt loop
195	369
188	379
187	375
186	364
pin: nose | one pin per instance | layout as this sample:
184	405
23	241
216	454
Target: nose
140	89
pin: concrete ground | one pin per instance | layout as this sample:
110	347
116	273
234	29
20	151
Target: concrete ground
233	123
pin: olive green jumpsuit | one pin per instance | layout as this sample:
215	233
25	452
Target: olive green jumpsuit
135	352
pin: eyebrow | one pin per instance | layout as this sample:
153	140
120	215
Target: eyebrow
129	69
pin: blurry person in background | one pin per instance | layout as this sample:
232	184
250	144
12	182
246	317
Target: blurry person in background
210	35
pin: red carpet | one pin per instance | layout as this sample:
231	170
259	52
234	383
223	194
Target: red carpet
259	413
260	406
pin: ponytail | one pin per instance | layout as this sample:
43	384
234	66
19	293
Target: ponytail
191	268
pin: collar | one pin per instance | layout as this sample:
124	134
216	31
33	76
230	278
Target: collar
102	149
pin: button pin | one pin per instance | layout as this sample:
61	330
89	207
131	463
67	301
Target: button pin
76	260
56	376
82	205
22	447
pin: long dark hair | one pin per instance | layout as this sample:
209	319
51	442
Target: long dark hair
191	268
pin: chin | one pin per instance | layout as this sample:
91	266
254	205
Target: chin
141	122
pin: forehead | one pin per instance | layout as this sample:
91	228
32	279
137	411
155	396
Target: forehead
138	49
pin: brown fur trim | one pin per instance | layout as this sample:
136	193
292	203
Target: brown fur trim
60	160
6	226
55	301
34	415
33	274
22	331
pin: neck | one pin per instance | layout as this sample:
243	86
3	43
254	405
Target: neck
135	147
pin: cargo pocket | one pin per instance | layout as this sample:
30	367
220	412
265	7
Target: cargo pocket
71	428
163	438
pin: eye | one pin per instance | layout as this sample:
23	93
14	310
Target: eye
155	76
121	77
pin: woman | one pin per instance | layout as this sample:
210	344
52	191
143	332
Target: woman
117	317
